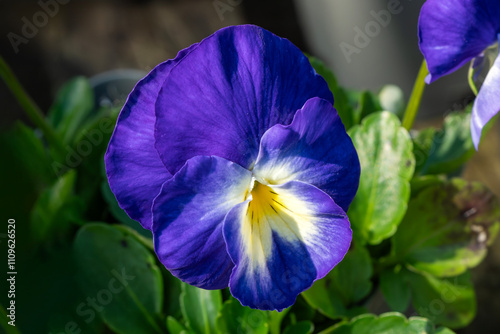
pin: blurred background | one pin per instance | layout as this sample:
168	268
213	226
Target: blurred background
120	41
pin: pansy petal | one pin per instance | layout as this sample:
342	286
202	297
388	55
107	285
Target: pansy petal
314	149
281	240
487	103
188	216
453	32
133	166
221	98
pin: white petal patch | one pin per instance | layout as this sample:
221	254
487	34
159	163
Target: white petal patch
273	209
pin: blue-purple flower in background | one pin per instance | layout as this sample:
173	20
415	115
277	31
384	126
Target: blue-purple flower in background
234	157
453	32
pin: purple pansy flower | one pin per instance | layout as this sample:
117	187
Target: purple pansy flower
234	157
453	32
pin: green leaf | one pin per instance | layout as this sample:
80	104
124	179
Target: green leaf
447	228
368	104
301	327
346	284
447	301
26	173
145	241
88	159
326	301
235	318
422	144
101	122
341	101
121	277
444	330
55	303
200	308
420	183
387	163
386	323
275	318
451	147
91	144
175	327
56	209
72	106
171	302
395	289
351	277
119	213
26	153
391	98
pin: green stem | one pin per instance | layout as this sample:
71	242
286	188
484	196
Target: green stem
416	97
32	110
472	84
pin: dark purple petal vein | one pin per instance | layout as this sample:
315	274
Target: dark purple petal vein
222	97
133	166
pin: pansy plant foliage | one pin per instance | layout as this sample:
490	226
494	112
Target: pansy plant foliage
233	155
454	32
